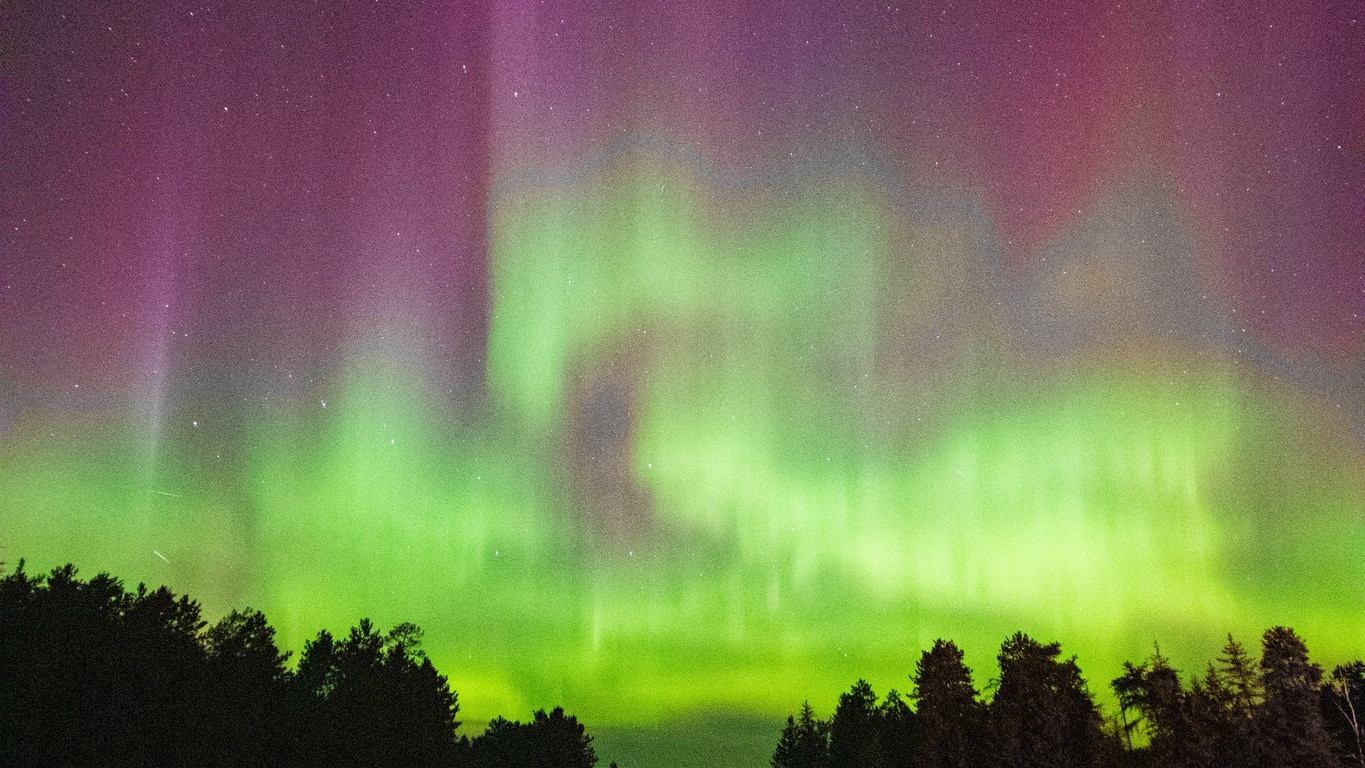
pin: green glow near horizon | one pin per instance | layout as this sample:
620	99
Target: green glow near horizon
831	460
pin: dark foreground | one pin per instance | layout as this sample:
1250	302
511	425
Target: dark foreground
94	674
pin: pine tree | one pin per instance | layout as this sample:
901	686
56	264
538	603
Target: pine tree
1241	677
1289	726
1211	734
898	731
950	716
247	681
1042	713
785	756
804	742
1152	693
377	700
853	730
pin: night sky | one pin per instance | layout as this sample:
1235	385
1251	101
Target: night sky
677	362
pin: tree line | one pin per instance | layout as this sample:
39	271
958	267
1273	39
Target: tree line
95	674
1280	712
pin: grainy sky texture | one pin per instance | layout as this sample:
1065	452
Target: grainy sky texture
676	362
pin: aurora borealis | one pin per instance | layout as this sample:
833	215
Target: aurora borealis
679	362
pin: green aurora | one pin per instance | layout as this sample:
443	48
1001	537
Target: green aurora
737	449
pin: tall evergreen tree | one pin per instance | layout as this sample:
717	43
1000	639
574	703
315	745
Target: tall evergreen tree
1241	677
1152	698
804	742
378	698
1222	709
1207	725
1289	726
247	681
1213	734
898	731
785	755
854	736
1042	714
317	677
951	719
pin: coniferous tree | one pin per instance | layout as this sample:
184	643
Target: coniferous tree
1152	693
1221	710
1211	733
96	675
898	731
1214	727
804	742
553	740
1289	726
951	719
377	700
312	686
427	702
1237	715
786	753
854	735
248	683
1042	714
1241	676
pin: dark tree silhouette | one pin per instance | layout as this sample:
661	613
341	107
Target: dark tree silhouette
92	674
1042	713
1218	726
1223	706
377	700
804	742
95	675
1151	698
951	719
1238	714
1343	711
854	732
553	740
898	731
1289	726
250	707
1241	677
1186	728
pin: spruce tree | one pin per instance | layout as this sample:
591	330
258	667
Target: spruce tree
804	742
1042	715
854	738
898	731
1289	727
950	716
